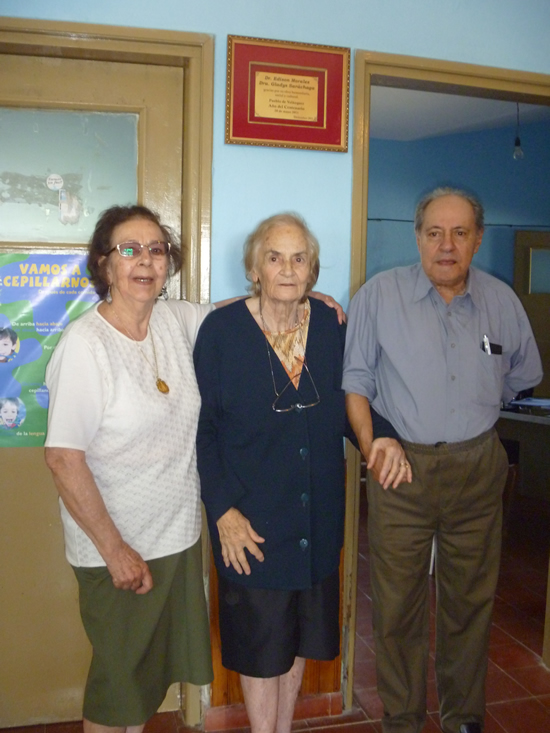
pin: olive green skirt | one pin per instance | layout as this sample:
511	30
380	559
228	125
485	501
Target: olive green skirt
143	643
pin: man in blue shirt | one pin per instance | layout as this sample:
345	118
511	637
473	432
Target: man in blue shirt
435	348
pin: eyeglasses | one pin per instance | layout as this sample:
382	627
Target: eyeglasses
132	249
298	406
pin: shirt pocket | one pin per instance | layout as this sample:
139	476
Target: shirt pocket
490	381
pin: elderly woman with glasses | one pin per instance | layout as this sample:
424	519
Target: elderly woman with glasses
271	461
129	489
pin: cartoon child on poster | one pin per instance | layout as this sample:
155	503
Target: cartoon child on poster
12	412
14	353
8	344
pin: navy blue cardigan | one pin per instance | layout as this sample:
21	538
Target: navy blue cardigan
283	471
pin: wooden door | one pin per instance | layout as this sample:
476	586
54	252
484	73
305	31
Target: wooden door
43	650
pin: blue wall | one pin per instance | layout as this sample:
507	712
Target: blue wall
515	193
250	183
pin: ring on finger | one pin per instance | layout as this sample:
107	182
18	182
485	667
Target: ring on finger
403	464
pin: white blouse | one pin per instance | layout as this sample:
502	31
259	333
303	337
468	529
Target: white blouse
139	443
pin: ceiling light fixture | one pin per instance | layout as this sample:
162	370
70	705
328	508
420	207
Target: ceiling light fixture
518	152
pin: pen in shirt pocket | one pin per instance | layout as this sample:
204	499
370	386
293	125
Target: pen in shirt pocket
490	348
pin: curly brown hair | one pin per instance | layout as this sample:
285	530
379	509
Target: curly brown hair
101	242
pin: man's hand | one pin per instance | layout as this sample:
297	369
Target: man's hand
236	534
388	463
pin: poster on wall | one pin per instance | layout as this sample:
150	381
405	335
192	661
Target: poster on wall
41	291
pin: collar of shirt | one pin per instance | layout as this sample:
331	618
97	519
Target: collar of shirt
424	285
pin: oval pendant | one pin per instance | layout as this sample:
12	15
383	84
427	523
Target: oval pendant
162	386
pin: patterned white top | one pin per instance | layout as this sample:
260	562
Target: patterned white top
139	443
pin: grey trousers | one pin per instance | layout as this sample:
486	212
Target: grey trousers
456	495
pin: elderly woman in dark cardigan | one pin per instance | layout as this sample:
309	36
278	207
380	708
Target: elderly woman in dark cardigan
271	463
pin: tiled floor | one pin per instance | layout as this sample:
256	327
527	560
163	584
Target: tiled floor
518	685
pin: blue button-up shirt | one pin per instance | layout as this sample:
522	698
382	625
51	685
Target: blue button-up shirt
422	362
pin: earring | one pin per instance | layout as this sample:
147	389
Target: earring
109	297
164	292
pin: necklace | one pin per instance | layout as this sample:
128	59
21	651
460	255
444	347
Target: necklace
161	384
298	406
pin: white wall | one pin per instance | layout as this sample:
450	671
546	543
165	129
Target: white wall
250	182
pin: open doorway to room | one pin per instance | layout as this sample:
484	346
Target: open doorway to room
419	140
379	73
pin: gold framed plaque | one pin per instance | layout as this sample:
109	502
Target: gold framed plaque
286	94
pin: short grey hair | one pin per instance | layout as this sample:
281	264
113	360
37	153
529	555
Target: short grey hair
256	239
437	193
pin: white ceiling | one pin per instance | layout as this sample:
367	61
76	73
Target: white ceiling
407	114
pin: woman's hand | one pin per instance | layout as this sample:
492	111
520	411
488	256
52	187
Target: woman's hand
329	300
129	570
236	534
388	463
83	501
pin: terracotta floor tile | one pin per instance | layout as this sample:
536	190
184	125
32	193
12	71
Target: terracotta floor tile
297	725
365	673
535	679
368	699
504	612
362	727
70	727
363	650
367	639
182	728
312	706
363	599
533	572
431	667
226	718
364	604
432	702
376	726
163	723
356	715
522	716
513	656
432	724
492	725
500	686
527	631
515	591
499	636
364	625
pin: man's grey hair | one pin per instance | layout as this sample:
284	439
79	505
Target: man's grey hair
437	193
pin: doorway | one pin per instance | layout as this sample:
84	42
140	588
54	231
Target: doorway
378	69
